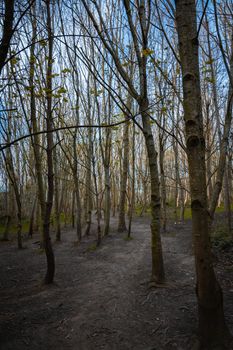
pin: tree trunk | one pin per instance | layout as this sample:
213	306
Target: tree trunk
78	205
107	202
32	218
88	199
57	207
162	185
212	327
124	175
7	228
7	31
36	144
49	124
224	141
227	201
158	274
132	202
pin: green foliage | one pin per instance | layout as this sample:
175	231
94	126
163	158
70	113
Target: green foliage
96	92
188	211
43	42
209	80
66	70
14	61
61	90
163	110
40	251
13	228
125	64
28	88
54	75
147	52
210	61
220	237
138	209
92	247
127	239
171	213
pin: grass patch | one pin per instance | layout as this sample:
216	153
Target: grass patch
92	247
187	213
221	242
40	251
138	209
128	238
13	228
220	237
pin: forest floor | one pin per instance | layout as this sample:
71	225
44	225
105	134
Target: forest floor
101	297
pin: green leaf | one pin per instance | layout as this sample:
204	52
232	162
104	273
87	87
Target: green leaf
163	109
209	80
61	90
210	61
147	52
43	43
66	70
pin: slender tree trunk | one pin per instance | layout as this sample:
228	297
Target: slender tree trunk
227	201
224	142
73	210
56	197
78	205
123	181
36	138
49	124
158	274
7	228
208	154
212	325
162	186
182	200
88	200
177	175
8	216
7	31
10	169
114	197
32	218
107	200
132	203
98	209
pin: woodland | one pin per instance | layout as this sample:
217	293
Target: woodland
116	174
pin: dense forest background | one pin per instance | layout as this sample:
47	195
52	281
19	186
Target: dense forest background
112	111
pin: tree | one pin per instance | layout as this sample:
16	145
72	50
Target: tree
142	51
212	326
7	31
49	150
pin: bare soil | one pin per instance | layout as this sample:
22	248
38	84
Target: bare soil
101	298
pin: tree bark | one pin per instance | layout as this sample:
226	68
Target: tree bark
7	31
132	202
57	207
32	218
50	181
36	143
158	274
227	201
123	182
163	185
224	141
212	327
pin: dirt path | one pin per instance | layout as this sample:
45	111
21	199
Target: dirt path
101	298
